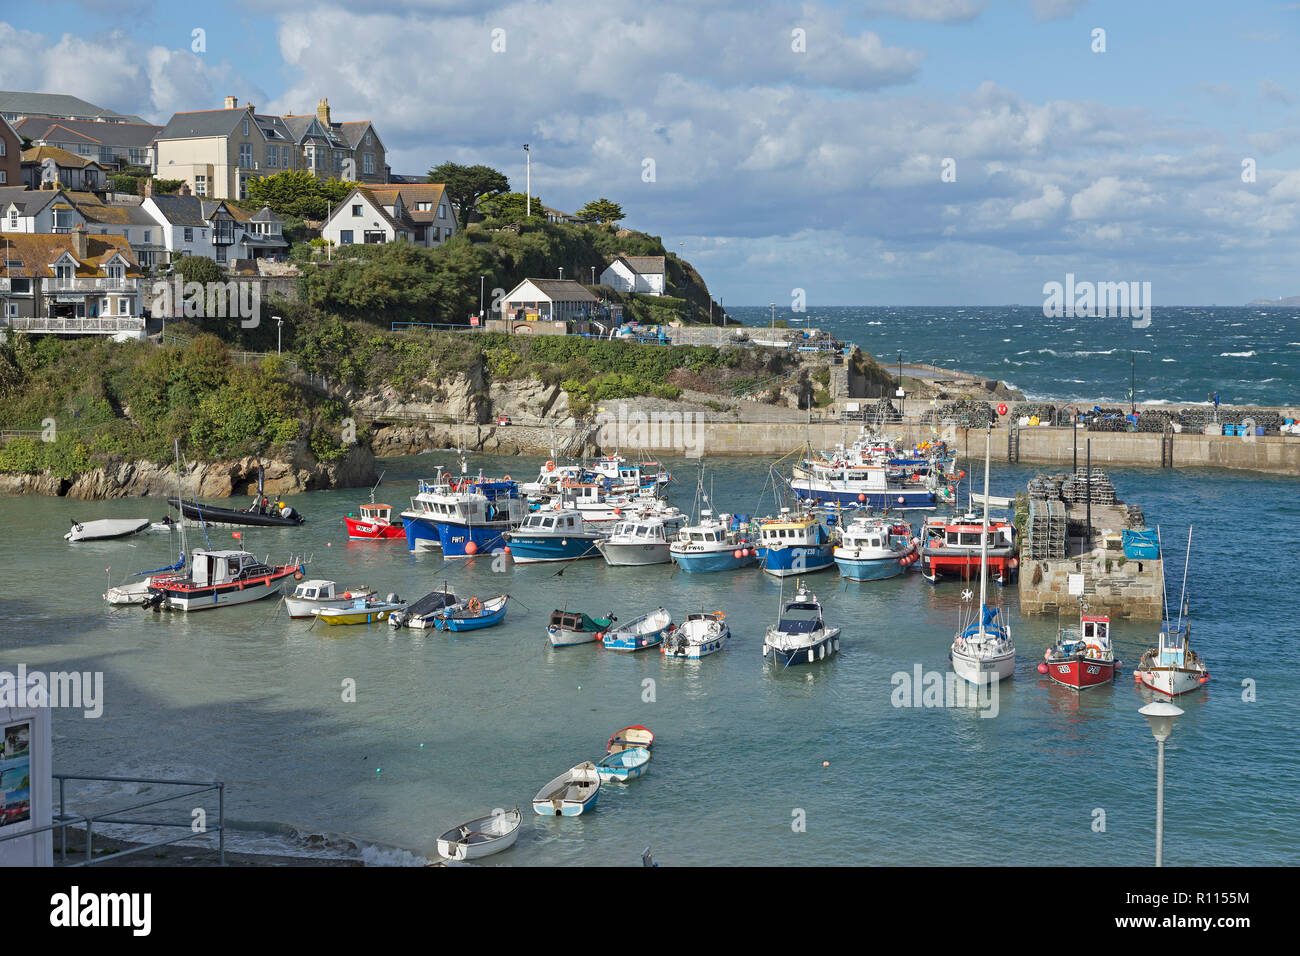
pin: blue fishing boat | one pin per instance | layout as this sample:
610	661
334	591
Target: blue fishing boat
470	615
645	632
794	544
462	517
553	535
624	765
714	544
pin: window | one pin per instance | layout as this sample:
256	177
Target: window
200	185
368	162
356	209
189	233
369	139
423	206
2	147
345	237
4	176
123	306
148	233
221	253
13	220
135	156
246	129
442	210
338	161
245	154
284	156
272	156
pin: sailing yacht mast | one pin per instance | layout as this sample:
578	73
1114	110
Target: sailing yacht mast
984	535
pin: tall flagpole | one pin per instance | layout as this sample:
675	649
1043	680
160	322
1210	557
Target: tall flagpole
528	182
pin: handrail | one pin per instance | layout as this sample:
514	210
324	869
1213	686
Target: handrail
63	819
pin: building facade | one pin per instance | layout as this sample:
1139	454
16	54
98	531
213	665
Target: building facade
643	274
417	213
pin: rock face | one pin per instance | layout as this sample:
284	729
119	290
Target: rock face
203	480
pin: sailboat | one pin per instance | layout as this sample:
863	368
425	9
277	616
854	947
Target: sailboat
982	651
1173	668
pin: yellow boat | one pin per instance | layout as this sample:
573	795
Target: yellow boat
361	612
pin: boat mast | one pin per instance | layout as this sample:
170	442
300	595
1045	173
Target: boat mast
1186	561
984	532
180	499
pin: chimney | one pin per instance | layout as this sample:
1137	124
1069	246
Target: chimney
232	103
323	111
79	242
146	186
184	190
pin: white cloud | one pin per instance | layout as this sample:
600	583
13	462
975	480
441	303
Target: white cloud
934	11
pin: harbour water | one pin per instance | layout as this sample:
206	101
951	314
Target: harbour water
447	727
1251	356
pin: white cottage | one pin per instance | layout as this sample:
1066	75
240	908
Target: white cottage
635	274
546	300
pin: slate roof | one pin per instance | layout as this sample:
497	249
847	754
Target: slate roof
57	104
37	250
563	290
30	201
643	265
38	154
202	123
126	135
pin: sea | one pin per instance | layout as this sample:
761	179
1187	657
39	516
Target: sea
1249	355
365	743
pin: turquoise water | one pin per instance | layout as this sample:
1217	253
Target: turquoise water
1248	355
458	725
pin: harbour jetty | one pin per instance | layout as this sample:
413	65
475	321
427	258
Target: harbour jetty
1080	543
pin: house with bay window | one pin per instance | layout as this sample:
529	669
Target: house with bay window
214	229
70	284
112	145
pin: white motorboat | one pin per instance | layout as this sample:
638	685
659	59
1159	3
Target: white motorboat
219	579
700	635
800	635
105	528
640	541
313	596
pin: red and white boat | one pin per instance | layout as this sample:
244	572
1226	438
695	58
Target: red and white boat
218	579
1082	657
375	524
950	547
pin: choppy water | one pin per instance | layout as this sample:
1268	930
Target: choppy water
448	727
1248	355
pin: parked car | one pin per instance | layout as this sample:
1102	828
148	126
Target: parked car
503	420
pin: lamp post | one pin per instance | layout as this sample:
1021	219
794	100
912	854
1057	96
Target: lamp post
481	280
902	401
528	182
279	323
1161	715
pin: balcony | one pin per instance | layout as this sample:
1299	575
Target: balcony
91	284
122	327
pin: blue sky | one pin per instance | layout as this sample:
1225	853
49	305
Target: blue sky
778	169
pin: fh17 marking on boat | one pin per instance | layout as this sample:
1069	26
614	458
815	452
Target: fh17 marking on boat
932	689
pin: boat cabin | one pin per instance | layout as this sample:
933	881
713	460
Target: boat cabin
211	568
1173	644
791	530
1095	629
552	522
868	535
803	615
377	514
316	589
640	530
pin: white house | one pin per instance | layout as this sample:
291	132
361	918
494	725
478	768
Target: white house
419	213
38	210
214	229
546	300
635	274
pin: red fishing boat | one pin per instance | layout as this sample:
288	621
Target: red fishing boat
1082	657
951	548
375	524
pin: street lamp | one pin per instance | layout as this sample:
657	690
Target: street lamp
279	323
528	187
902	401
481	280
1160	714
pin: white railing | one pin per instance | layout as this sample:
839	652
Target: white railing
104	324
90	284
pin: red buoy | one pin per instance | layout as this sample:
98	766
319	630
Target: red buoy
471	548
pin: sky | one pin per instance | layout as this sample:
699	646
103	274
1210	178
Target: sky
881	152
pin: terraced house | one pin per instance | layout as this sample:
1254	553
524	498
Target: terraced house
72	284
218	151
112	145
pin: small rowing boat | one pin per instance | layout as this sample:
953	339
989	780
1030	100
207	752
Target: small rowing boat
646	631
361	611
105	529
623	765
470	615
633	736
700	635
481	837
571	794
567	628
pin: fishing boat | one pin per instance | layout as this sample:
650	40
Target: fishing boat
571	794
623	765
316	594
482	837
792	544
1082	657
646	631
619	476
258	515
700	635
800	635
419	614
1172	667
872	549
714	544
375	524
639	542
219	579
463	517
951	547
983	651
363	610
552	535
848	483
551	475
567	628
105	529
633	736
599	506
470	615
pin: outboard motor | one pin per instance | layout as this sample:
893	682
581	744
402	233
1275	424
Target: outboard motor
393	599
286	512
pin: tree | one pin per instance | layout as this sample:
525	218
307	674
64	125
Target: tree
510	207
466	185
198	269
602	210
297	194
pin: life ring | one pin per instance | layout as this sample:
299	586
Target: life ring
550	466
507	478
297	575
474	604
347	595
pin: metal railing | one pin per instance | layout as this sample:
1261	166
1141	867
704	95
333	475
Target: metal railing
85	324
63	820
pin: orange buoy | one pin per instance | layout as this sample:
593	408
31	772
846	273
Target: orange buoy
471	548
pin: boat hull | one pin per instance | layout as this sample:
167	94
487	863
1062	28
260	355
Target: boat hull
697	562
451	847
804	654
869	569
224	595
633	642
537	549
340	616
980	670
251	519
564	637
1171	681
784	562
106	529
359	530
1081	673
897	499
693	642
634	555
966	565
